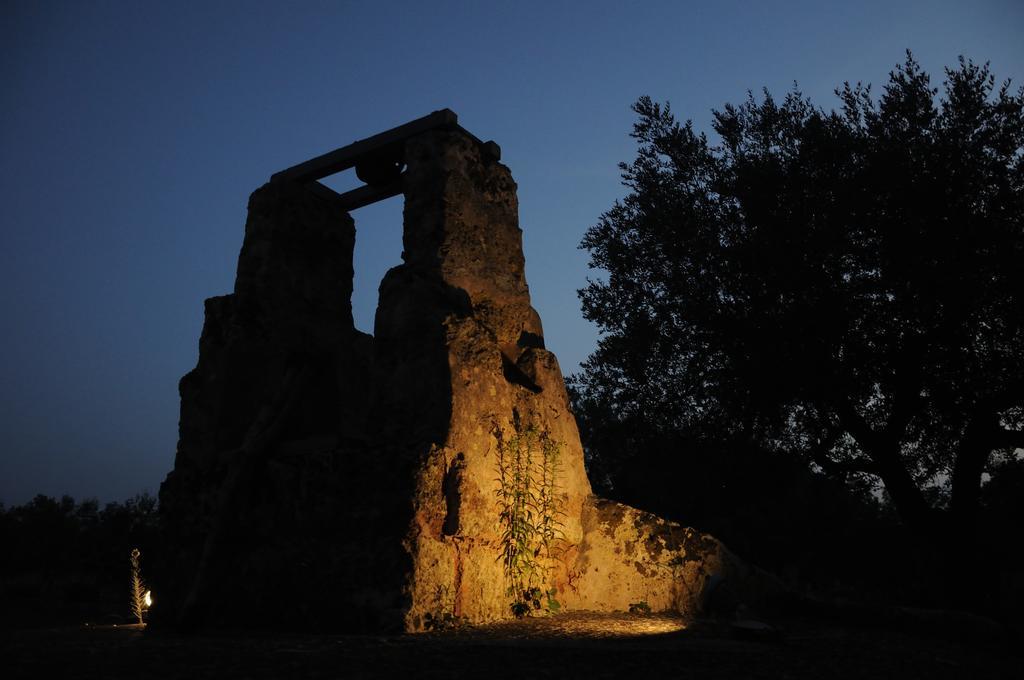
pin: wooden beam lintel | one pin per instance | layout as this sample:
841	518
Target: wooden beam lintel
360	197
347	156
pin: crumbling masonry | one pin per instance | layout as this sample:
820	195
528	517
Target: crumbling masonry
326	478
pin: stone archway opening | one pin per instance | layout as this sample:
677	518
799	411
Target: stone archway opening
378	249
366	177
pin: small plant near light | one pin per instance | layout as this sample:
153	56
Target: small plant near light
640	607
529	515
443	622
535	599
443	618
141	598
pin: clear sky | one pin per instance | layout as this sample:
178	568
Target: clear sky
131	134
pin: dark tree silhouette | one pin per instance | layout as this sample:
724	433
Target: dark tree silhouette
846	286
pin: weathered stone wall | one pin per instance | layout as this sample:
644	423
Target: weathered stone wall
341	481
279	385
629	557
463	287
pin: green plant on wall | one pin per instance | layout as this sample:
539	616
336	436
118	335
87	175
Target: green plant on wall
529	515
549	501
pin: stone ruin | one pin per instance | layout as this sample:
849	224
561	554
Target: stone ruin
430	473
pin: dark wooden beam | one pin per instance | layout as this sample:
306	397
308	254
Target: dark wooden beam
347	156
324	191
367	194
360	197
383	147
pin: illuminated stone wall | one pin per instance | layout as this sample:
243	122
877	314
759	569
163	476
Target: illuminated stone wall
463	290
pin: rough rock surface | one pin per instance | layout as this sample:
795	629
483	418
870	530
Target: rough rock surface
432	472
630	557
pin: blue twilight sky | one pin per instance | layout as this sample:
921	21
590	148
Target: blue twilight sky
131	134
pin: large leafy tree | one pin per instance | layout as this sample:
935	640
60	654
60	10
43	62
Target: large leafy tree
846	286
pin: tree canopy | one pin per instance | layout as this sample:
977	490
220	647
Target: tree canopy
846	286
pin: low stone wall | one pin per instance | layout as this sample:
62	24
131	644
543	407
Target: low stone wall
632	558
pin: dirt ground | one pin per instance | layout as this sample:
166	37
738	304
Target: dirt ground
565	646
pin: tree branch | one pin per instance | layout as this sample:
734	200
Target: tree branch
1009	396
907	397
906	404
1002	438
857	426
819	455
858	464
884	450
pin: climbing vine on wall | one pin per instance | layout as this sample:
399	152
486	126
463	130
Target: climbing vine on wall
530	512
